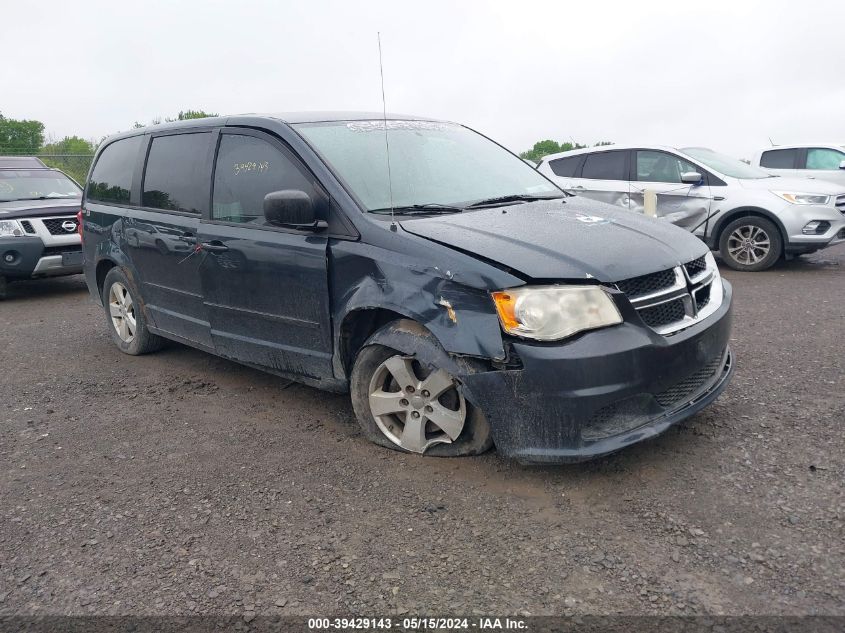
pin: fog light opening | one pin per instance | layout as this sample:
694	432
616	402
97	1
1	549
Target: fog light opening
816	227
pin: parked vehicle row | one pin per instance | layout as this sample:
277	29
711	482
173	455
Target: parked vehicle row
749	216
460	296
38	225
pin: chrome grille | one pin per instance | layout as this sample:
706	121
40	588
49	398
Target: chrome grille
840	203
663	313
27	226
696	267
647	284
54	225
672	300
702	296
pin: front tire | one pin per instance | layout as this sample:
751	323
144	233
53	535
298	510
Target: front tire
126	316
411	407
751	244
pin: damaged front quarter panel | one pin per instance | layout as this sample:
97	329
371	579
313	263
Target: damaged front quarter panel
445	291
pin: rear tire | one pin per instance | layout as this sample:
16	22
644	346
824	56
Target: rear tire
126	315
403	422
750	244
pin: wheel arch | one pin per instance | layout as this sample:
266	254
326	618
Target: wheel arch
103	268
358	326
113	259
368	325
743	212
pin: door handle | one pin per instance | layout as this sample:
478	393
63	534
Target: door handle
214	247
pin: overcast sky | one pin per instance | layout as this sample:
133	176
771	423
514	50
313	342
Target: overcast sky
727	75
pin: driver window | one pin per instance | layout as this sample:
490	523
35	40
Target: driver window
661	167
247	169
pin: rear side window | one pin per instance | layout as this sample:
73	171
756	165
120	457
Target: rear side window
111	180
824	158
779	159
565	166
605	166
248	168
177	177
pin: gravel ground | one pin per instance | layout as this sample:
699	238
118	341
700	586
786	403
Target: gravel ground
180	483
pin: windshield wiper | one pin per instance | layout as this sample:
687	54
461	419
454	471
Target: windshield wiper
514	197
420	209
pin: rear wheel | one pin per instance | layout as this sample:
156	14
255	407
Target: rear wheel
750	244
125	316
406	405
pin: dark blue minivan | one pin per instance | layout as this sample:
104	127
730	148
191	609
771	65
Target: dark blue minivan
461	297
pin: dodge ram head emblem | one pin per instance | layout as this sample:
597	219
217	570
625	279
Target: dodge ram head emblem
69	226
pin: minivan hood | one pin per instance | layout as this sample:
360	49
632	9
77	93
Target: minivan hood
792	185
556	239
38	208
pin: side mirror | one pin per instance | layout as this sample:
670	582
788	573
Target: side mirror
842	164
290	208
691	178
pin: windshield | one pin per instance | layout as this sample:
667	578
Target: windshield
430	163
725	164
24	184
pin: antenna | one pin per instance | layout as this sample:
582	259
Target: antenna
386	141
771	141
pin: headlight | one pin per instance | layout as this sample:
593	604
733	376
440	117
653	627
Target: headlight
802	198
550	313
10	227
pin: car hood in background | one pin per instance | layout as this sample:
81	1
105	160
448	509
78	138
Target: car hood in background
38	208
793	185
575	239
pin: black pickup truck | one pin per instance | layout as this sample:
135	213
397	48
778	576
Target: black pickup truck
39	234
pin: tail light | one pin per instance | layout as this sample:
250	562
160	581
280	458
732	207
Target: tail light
79	223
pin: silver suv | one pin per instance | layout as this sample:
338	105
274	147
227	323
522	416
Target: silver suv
750	216
38	221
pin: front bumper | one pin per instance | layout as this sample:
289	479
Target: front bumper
797	242
605	390
26	258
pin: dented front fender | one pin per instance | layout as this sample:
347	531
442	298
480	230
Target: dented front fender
450	298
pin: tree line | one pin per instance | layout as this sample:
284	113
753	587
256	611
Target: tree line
71	154
544	148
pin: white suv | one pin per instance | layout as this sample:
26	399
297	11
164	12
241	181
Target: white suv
750	216
822	161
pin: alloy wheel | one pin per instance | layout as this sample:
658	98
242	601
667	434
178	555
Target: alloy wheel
416	409
749	244
122	312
